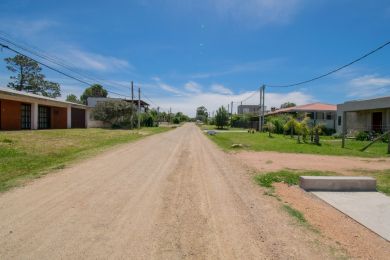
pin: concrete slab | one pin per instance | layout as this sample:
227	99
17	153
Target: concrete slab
371	209
337	183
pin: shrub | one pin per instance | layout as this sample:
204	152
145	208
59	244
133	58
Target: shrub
362	136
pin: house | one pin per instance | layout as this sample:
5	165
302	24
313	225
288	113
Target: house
93	101
319	113
249	109
20	110
364	115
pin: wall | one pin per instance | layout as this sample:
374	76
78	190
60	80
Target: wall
10	115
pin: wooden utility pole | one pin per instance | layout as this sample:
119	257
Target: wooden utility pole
132	105
158	116
139	108
344	129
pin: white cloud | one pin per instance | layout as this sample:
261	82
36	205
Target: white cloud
368	86
93	61
167	87
193	87
212	101
220	89
26	28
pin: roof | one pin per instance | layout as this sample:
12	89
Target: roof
366	104
13	92
313	107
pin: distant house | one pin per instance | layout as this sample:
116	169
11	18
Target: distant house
364	115
93	101
249	109
319	113
20	110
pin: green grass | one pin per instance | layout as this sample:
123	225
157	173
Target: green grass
292	177
281	143
382	179
29	154
286	176
297	215
213	127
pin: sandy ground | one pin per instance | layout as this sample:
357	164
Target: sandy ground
168	196
273	161
358	241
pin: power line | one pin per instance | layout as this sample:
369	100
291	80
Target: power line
56	70
55	60
332	71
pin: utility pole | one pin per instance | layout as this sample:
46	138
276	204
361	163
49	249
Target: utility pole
139	108
228	110
261	108
231	107
158	116
132	105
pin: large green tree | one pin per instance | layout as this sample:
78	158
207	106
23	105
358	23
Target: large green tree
72	98
96	90
221	118
29	78
287	104
201	114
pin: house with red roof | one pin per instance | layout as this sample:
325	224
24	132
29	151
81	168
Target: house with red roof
320	113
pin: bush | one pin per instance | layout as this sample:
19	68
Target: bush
279	121
362	136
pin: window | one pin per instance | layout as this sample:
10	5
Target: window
26	116
43	117
339	120
329	116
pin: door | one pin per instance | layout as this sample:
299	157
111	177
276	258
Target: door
377	121
25	116
78	118
43	117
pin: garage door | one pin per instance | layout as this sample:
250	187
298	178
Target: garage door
78	118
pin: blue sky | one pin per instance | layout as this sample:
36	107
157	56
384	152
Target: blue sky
187	53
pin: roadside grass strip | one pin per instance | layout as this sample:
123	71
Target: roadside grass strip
286	144
287	176
30	154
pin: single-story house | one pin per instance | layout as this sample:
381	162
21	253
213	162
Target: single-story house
93	101
364	115
320	113
20	110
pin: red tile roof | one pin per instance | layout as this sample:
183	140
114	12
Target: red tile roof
313	107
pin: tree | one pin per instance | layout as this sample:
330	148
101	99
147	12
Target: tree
270	128
72	98
95	90
201	114
287	104
117	113
29	77
221	118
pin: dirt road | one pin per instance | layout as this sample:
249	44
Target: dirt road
168	196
